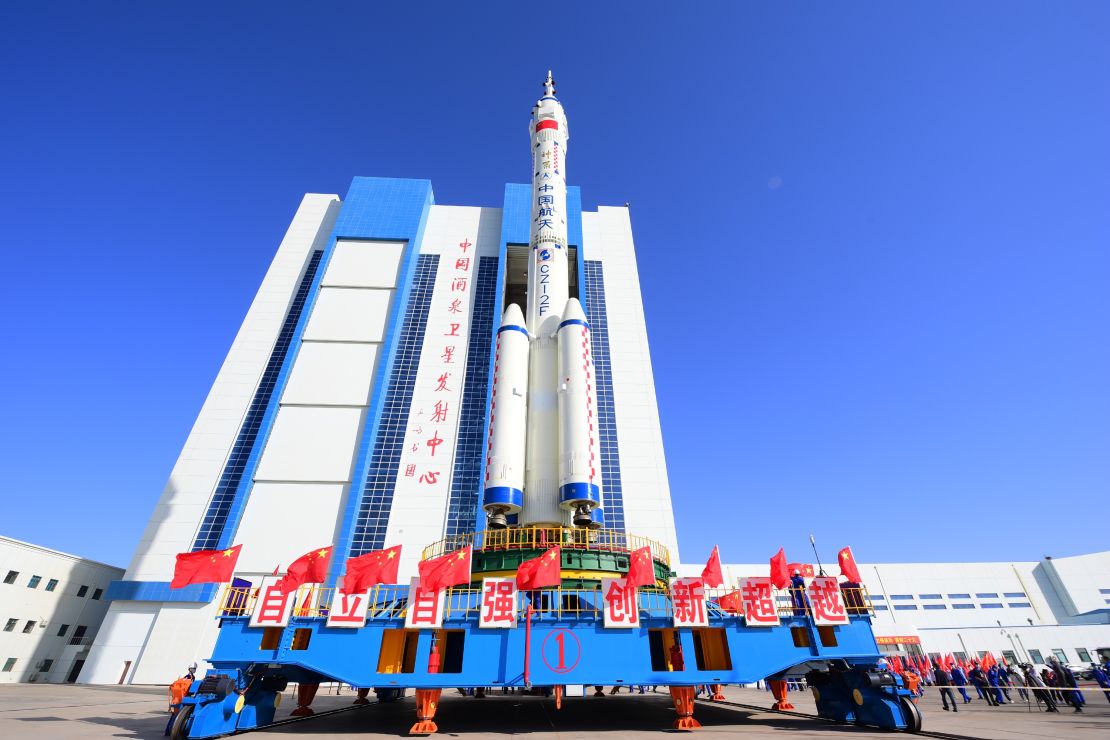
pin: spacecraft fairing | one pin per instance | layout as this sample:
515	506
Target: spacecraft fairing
556	409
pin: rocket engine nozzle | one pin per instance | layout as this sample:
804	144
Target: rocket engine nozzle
498	519
582	516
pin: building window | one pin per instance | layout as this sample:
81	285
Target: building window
880	607
901	597
8	665
62	630
97	594
878	597
47	665
1104	590
29	627
78	635
11	625
1035	656
990	605
928	596
935	606
1060	655
1019	604
1014	595
12	575
82	591
1084	656
986	596
959	656
52	584
1010	657
34	582
905	607
959	596
963	606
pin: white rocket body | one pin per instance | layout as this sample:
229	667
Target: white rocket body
504	479
561	470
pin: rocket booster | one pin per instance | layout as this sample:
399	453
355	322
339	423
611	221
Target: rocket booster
504	481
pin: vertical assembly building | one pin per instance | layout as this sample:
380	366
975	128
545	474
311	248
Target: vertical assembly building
353	408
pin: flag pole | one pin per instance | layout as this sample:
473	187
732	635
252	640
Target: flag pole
813	543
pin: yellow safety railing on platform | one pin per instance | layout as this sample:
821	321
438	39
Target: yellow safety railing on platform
538	538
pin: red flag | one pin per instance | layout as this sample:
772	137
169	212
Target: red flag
848	567
371	569
312	567
711	574
780	576
541	572
452	569
641	570
205	566
804	569
731	602
987	661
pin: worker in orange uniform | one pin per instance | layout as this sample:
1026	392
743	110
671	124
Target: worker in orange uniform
177	691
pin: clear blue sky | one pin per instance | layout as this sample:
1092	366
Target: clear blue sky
874	241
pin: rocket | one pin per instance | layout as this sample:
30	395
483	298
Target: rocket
542	456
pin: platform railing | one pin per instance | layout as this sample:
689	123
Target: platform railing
390	602
539	538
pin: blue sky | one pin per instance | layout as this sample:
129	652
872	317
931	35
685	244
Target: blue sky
873	238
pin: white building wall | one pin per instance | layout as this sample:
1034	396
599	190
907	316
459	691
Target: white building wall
418	515
176	519
607	235
47	611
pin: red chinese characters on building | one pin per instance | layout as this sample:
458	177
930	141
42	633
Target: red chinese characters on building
824	598
688	603
619	602
348	610
759	602
425	609
498	603
272	608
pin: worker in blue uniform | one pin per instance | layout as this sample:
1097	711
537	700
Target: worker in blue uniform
1098	672
959	680
995	685
798	593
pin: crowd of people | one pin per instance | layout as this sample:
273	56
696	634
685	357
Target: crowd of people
997	683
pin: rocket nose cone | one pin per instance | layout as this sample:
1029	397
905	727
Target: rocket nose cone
512	316
573	311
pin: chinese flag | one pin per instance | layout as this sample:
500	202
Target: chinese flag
371	569
641	571
452	569
312	567
848	567
205	566
546	570
731	602
804	569
780	576
711	574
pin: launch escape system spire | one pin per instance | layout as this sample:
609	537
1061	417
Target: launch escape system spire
612	611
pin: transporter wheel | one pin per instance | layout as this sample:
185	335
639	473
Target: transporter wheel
183	723
911	714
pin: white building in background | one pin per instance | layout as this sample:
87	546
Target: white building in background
1024	611
51	607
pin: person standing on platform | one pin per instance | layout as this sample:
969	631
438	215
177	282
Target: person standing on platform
798	593
944	681
959	680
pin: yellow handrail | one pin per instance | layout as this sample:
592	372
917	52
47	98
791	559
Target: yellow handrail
538	538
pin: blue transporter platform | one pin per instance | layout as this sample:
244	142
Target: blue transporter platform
676	634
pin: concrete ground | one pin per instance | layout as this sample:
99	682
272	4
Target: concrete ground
67	711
